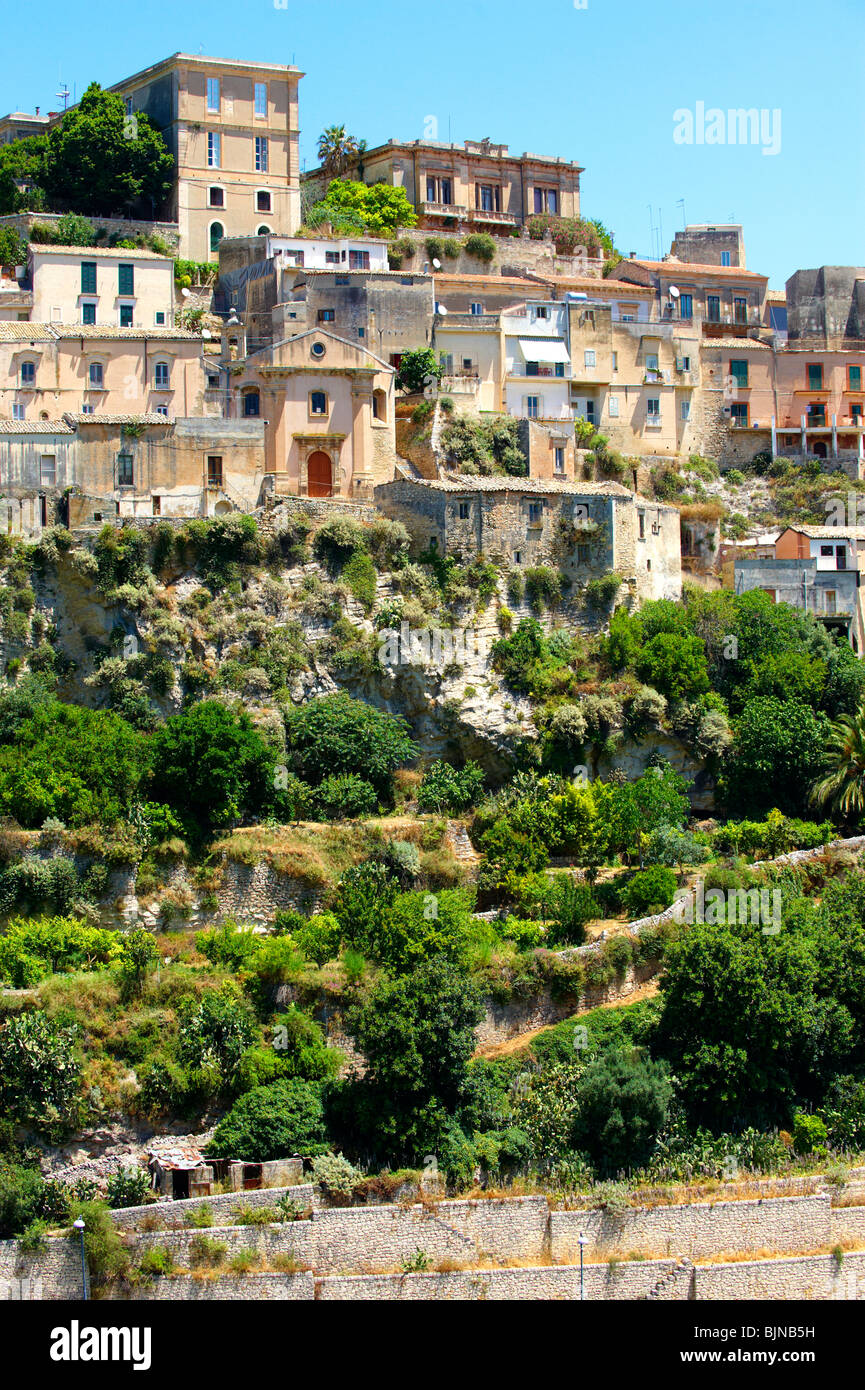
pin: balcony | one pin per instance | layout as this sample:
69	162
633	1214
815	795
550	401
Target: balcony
502	219
654	422
457	210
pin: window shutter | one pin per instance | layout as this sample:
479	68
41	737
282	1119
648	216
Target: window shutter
88	277
125	279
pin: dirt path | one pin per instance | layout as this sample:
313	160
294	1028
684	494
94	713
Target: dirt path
523	1040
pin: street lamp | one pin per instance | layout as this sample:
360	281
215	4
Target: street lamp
79	1226
582	1241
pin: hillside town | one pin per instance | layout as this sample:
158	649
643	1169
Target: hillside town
432	703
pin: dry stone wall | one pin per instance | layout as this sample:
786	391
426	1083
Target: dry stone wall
665	1279
173	1215
813	1277
226	1288
53	1273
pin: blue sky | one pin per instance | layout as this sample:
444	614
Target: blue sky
599	84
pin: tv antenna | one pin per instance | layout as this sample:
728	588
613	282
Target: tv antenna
63	95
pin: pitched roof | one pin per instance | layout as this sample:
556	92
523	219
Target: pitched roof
120	253
35	427
829	533
552	487
107	330
27	333
147	418
685	268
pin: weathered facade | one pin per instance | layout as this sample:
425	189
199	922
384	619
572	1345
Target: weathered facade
93	285
585	529
818	569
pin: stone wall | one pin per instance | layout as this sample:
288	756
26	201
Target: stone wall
664	1279
813	1277
185	1288
701	1229
172	1215
122	227
501	1022
53	1273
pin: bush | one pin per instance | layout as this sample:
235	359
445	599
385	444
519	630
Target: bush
270	1122
40	1074
338	735
211	765
446	788
601	592
481	245
623	1102
345	797
129	1187
335	1175
543	587
650	891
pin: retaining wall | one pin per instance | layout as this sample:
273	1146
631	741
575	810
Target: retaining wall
664	1279
781	1223
172	1215
184	1288
816	1277
49	1274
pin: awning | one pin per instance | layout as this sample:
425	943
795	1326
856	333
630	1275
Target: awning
544	350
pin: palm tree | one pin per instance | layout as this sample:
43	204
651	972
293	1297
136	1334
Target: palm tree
336	150
843	787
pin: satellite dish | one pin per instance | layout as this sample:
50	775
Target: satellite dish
440	309
185	293
674	293
206	333
437	264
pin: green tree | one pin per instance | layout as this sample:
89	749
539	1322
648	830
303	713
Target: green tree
843	786
623	1101
378	208
336	150
211	766
675	665
99	163
336	735
776	756
272	1122
418	368
40	1075
448	788
214	1031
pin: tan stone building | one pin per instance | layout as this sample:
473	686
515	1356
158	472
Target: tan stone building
586	529
329	408
93	285
47	370
233	129
476	185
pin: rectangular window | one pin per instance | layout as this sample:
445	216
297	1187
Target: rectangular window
48	470
536	513
217	198
739	373
88	277
615	361
125	472
358	260
126	280
613	407
213	94
686	306
431	190
817	414
642	520
653	407
261	98
330	258
162	410
157	506
160	376
160	318
214	470
317	403
651	361
541	312
261	154
589	358
560	460
546	200
533	407
584	554
341	280
686	410
446	192
96	376
539	200
126	316
725	258
477	309
464	511
686	364
327	315
841	556
713	308
214	149
28	373
262	201
18	411
854	378
856	414
740	311
815	376
739	414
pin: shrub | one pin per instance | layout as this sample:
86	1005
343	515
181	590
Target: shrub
338	735
446	788
543	587
623	1103
335	1175
211	765
345	797
128	1187
601	592
481	245
270	1122
39	1071
650	891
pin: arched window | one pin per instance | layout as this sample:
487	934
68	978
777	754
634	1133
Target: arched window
263	230
317	403
379	405
161	376
251	404
217	232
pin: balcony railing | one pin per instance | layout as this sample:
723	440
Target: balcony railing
444	210
653	422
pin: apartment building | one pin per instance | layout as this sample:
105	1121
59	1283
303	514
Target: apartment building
48	370
19	125
476	185
725	301
92	285
233	129
817	569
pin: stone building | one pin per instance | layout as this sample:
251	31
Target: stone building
817	569
93	285
47	370
722	244
474	186
585	529
329	408
233	129
721	301
826	308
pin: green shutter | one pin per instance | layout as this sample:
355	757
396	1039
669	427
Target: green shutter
855	378
125	279
88	277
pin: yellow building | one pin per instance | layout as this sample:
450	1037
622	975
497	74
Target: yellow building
94	286
233	129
